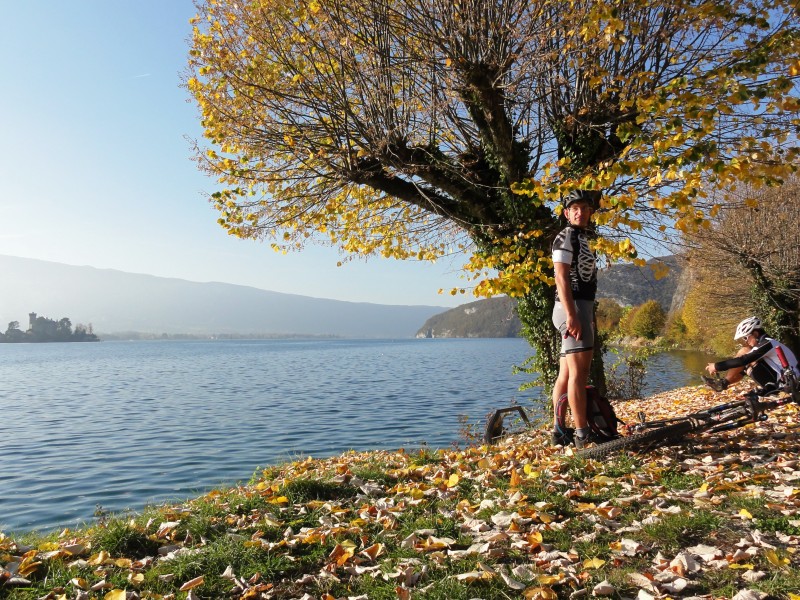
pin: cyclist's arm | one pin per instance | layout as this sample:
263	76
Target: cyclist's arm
564	287
744	359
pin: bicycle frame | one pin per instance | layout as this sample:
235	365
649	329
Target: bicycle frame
747	410
723	417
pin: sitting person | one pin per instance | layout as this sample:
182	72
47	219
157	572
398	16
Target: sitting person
757	358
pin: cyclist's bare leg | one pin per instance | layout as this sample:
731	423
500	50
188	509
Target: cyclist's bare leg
560	385
578	364
736	374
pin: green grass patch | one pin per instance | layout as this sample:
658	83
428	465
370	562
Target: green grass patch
622	464
425	456
122	538
299	491
678	480
211	560
675	532
376	473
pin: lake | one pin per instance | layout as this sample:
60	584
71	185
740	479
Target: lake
123	424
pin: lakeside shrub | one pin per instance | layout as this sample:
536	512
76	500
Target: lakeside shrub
608	316
648	320
625	378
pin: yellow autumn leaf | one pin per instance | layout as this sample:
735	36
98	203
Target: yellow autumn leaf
745	566
593	563
530	472
115	595
549	579
610	512
100	558
745	514
604	480
373	551
123	563
535	537
473	576
192	583
539	593
776	560
79	582
49	547
794	596
453	480
136	579
341	554
28	566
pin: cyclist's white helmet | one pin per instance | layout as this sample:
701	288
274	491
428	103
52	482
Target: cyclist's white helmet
746	327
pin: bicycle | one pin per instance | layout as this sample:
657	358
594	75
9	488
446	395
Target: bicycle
646	435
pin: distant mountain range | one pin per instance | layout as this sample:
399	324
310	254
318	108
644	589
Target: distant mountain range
115	302
626	284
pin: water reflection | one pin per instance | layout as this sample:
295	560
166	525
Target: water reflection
668	370
693	361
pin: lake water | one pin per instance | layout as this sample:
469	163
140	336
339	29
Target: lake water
125	424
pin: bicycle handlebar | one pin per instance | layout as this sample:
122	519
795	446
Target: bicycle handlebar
781	357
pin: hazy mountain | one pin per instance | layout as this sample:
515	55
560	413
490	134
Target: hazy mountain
495	317
115	301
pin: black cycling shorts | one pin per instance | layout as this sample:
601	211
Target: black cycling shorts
762	374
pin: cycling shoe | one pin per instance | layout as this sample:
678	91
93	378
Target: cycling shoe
717	384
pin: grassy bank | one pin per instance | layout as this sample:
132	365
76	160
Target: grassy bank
718	519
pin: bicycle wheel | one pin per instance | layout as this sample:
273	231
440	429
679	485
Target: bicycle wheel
640	441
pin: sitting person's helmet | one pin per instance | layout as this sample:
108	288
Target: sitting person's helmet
746	327
591	197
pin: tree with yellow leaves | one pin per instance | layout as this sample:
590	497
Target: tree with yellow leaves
420	128
748	262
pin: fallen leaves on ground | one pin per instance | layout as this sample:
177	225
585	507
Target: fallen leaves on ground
501	529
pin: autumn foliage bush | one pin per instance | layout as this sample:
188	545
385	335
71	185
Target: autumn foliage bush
646	321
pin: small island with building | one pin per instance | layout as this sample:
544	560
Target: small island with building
42	329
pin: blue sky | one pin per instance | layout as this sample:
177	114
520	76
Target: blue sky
96	169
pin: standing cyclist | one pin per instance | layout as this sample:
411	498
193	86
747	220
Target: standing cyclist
573	314
757	358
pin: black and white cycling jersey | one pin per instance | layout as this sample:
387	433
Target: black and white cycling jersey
764	351
571	246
